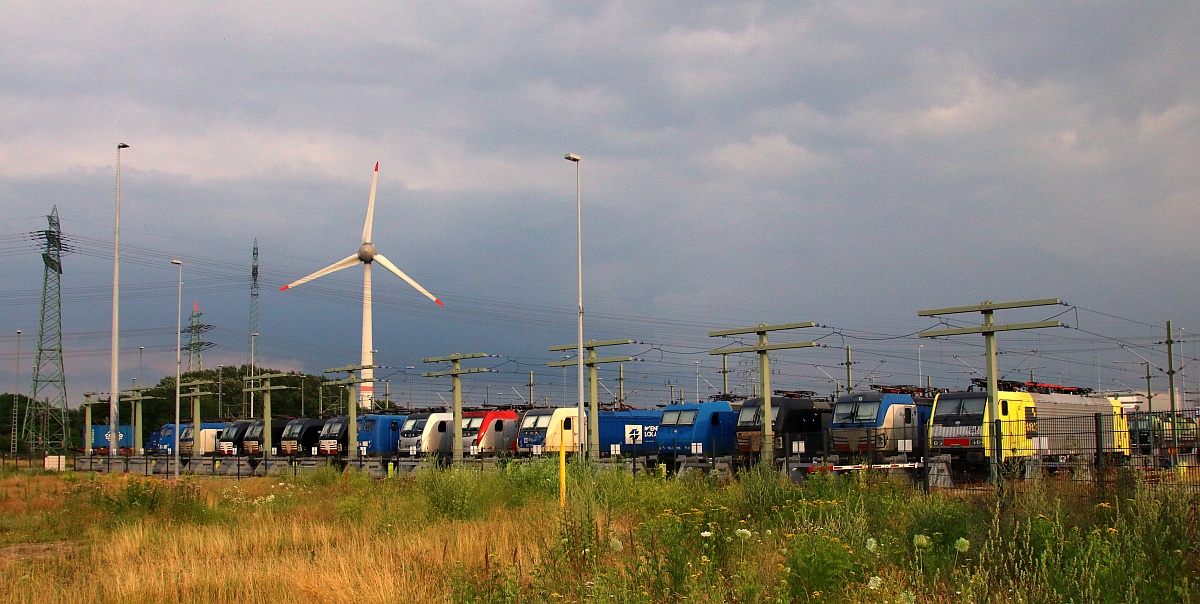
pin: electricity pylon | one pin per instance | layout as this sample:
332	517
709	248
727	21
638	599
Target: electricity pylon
46	424
196	342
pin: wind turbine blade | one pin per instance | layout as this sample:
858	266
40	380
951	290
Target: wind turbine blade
336	266
399	273
371	207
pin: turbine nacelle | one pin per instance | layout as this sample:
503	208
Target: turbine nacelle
366	252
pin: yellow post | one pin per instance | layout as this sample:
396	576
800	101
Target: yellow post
562	464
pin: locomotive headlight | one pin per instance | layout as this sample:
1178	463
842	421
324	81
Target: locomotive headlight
938	442
977	442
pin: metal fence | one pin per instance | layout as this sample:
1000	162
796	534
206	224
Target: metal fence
1155	450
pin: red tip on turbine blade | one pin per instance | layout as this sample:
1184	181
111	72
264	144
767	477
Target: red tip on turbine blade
283	288
376	166
439	302
196	307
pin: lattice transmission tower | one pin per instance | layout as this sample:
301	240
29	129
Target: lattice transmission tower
196	343
45	426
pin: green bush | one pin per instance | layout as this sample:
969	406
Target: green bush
453	493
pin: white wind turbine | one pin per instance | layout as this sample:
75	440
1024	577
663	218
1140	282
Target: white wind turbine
366	254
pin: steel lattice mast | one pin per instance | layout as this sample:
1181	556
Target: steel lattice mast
45	426
196	342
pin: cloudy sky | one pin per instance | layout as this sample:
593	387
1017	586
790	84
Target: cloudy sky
848	163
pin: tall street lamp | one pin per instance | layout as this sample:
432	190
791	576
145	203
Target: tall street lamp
920	374
583	425
179	367
114	386
410	401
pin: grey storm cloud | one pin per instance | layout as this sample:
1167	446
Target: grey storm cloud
844	162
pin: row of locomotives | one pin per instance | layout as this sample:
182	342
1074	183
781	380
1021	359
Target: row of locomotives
300	436
884	425
1160	440
426	434
1042	428
630	433
490	432
799	421
626	431
547	430
695	432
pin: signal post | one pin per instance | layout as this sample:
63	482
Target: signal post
135	396
590	360
989	329
456	373
352	408
764	371
87	420
266	388
195	394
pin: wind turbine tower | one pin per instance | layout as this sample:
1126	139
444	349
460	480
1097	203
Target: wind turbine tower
366	255
46	416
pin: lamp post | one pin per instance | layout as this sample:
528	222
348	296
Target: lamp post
179	368
697	380
114	438
406	376
920	374
583	426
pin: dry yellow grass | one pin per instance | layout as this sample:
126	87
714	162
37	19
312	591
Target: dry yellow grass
265	555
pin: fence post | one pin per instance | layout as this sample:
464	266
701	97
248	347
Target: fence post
825	446
924	456
1100	449
997	449
713	454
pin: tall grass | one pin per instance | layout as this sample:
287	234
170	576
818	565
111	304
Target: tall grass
446	535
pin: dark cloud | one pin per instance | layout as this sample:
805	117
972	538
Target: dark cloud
841	162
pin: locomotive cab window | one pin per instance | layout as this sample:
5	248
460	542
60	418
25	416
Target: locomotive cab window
1003	407
907	415
566	424
748	416
499	424
441	426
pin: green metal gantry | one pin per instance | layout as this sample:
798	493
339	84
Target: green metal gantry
764	371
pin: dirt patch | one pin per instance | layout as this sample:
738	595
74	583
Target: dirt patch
35	551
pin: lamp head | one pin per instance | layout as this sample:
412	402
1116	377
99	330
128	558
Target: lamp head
122	146
179	262
571	157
